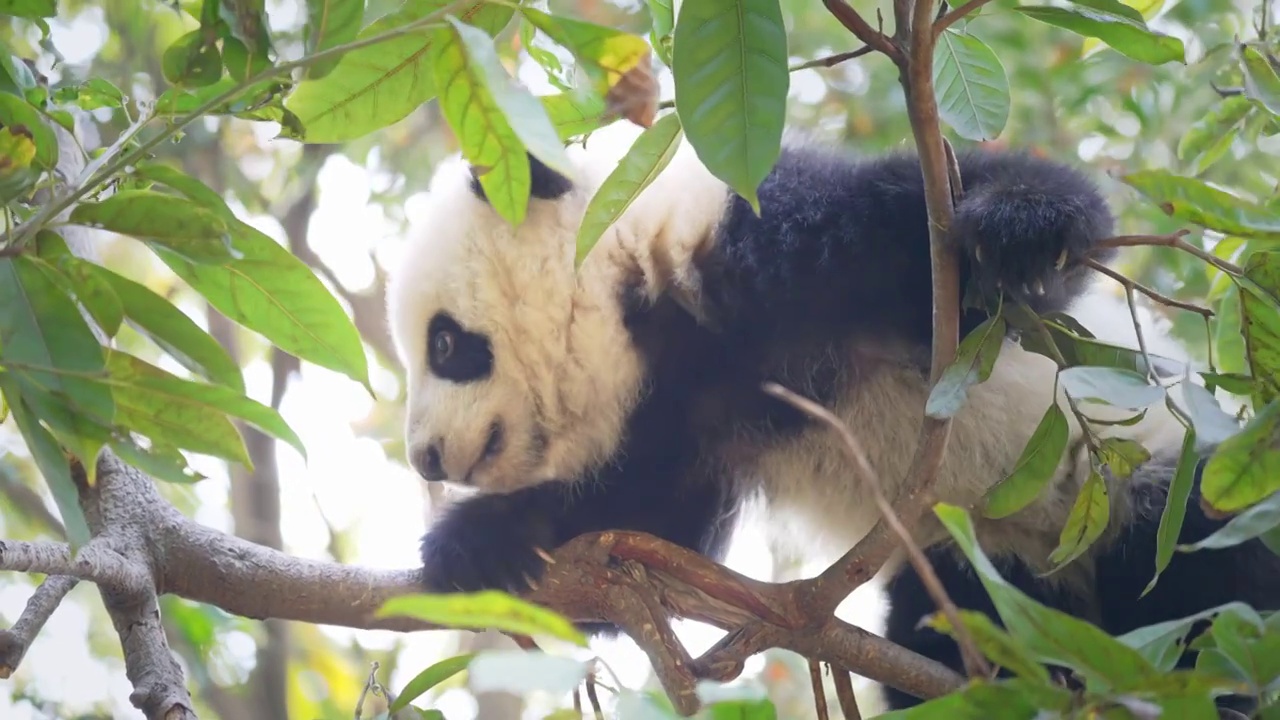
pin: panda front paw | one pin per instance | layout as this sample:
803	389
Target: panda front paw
486	544
1022	240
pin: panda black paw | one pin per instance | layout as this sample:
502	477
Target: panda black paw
485	544
1021	240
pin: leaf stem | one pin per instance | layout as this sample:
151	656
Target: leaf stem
56	206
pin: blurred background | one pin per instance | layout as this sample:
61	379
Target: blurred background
345	209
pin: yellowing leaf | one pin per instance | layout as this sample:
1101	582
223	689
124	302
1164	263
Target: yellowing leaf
490	610
1089	517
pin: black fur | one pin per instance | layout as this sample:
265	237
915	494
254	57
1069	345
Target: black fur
840	252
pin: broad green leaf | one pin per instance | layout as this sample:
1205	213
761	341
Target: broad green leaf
1241	638
192	188
1124	34
1234	383
162	462
643	162
1254	522
1245	468
1212	423
375	86
971	86
613	51
153	403
1260	323
1146	9
51	462
490	610
1089	517
95	295
1260	79
663	16
192	61
1175	507
15	75
92	94
1228	338
574	113
429	678
762	709
133	371
731	78
1035	466
1196	202
49	350
22	118
1209	132
1122	456
273	293
995	644
1051	635
1075	344
982	699
29	8
495	120
1111	386
178	224
242	64
520	672
975	358
330	23
1162	643
173	331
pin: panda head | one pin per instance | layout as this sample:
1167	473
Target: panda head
520	369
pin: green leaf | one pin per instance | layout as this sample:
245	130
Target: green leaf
1254	522
574	113
731	78
495	120
29	8
1052	636
429	678
192	61
1245	468
178	224
1196	202
1260	80
1035	466
663	16
997	645
51	462
971	86
92	94
613	51
1089	517
1175	507
488	610
1260	323
271	292
240	62
762	709
155	404
49	350
1122	456
647	158
160	461
982	700
21	118
95	295
330	23
1111	386
1212	423
15	75
1121	31
375	86
1162	644
1214	131
975	358
133	371
521	672
1240	637
192	188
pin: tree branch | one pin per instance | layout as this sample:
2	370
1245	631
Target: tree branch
15	641
1153	294
1173	240
854	23
952	17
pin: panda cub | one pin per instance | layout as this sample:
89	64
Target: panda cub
627	394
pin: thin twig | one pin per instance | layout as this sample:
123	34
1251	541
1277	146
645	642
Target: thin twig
975	664
854	23
1173	240
15	641
1137	329
950	18
593	698
819	693
1154	295
833	60
844	692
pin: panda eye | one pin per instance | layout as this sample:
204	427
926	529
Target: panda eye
442	345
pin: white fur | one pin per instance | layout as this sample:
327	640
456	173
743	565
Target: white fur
564	361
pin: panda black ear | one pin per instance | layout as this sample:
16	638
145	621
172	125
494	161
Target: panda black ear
544	183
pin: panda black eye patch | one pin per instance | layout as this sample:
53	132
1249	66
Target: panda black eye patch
455	353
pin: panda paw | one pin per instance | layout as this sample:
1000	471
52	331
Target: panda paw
485	544
1023	240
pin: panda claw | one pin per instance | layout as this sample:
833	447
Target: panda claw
1040	287
977	253
1062	260
546	556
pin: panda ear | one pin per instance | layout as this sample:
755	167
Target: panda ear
544	183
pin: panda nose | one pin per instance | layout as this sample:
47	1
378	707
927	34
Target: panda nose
429	464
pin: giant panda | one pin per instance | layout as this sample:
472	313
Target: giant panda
627	394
